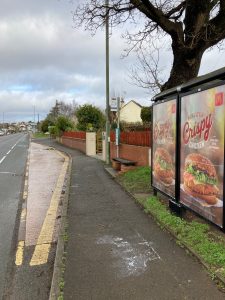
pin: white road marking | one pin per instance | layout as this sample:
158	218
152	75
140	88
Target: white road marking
10	173
4	157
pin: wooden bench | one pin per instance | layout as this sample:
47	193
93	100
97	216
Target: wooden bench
125	161
123	165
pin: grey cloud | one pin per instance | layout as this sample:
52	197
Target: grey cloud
43	54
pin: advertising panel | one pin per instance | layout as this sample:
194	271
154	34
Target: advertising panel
202	153
163	147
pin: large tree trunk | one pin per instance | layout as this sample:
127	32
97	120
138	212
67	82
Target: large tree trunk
186	64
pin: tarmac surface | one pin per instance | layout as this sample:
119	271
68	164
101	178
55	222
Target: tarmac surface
115	251
31	275
13	155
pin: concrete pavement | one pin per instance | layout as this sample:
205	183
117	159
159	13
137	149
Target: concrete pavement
115	251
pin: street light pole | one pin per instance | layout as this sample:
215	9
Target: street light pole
34	113
107	84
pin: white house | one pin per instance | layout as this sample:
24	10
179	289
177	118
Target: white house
130	112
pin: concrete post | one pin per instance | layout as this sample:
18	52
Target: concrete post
90	143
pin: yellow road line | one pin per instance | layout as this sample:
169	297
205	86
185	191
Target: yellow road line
25	194
21	244
19	253
23	214
41	252
26	185
40	255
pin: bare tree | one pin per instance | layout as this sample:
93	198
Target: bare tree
146	72
193	26
62	109
67	109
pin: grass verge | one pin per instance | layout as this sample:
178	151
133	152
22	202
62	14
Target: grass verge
196	236
137	180
38	135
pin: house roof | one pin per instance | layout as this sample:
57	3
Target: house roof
133	102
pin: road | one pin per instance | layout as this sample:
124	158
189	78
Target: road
31	275
13	156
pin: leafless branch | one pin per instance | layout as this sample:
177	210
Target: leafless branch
193	26
146	72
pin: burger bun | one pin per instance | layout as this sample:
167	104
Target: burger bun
209	199
166	180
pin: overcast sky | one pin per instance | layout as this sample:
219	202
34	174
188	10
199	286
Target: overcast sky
43	58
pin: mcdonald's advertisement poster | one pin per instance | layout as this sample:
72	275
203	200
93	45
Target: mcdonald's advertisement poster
202	153
164	136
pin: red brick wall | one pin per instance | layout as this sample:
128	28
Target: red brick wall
78	144
139	154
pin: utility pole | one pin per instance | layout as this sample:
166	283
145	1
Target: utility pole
118	127
34	119
107	83
38	129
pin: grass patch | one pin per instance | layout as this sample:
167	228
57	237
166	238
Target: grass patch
38	135
63	264
136	181
193	234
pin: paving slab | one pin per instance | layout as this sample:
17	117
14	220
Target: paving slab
45	165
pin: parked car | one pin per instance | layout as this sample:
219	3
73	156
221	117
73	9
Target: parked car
2	132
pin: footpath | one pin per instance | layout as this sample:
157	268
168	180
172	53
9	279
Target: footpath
117	252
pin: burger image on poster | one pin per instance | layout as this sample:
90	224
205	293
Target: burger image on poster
163	166
200	178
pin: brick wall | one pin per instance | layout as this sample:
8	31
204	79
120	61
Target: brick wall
139	154
78	144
